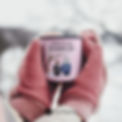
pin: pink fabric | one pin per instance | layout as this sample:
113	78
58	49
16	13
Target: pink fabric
28	109
83	95
33	95
82	107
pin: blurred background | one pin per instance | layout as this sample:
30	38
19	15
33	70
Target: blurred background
22	20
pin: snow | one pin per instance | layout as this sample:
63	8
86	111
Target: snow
11	60
45	15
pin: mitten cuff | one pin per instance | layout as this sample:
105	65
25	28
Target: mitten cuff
83	108
28	109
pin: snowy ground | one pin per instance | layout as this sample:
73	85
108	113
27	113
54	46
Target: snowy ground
44	15
110	108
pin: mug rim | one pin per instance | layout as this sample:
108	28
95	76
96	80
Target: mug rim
55	37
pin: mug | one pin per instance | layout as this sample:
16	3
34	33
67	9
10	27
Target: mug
62	57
